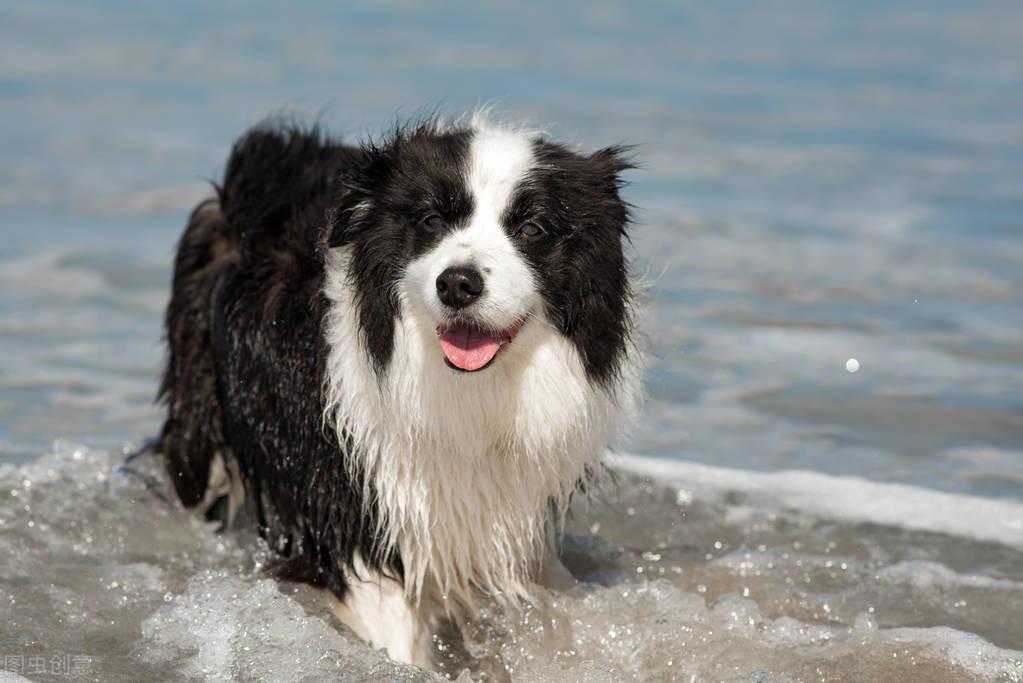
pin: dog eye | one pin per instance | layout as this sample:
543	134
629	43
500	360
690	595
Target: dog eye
432	223
531	231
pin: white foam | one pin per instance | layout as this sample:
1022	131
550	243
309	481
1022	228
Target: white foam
728	639
848	498
926	575
224	627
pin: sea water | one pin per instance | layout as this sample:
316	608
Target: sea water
687	572
819	183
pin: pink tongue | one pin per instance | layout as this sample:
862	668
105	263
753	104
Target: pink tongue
468	349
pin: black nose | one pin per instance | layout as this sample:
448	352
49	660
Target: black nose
459	287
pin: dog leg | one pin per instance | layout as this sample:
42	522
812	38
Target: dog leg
552	573
225	483
377	610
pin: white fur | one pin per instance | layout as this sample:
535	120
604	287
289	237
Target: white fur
224	479
464	465
378	610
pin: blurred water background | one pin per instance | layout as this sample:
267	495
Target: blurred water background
819	181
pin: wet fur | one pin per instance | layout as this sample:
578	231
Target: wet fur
303	358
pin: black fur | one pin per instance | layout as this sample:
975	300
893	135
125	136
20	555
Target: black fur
247	349
575	199
415	174
246	367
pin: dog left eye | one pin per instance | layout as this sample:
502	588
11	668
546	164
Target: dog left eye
531	231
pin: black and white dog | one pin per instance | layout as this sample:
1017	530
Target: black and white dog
404	356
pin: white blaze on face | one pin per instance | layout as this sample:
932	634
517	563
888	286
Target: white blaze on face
499	160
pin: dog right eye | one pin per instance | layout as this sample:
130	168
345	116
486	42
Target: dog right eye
432	223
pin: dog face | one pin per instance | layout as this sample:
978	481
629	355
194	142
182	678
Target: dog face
477	232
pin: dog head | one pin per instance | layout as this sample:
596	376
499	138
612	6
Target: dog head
478	232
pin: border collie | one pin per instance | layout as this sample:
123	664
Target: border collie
403	357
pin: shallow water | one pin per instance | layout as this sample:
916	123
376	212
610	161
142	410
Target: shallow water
698	573
820	182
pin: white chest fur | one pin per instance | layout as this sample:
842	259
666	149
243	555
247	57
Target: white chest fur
463	465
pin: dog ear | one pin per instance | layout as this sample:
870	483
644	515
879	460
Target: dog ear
589	303
606	168
356	222
354	201
614	160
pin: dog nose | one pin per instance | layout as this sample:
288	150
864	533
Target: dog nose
459	287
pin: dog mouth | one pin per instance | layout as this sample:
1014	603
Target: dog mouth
469	348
